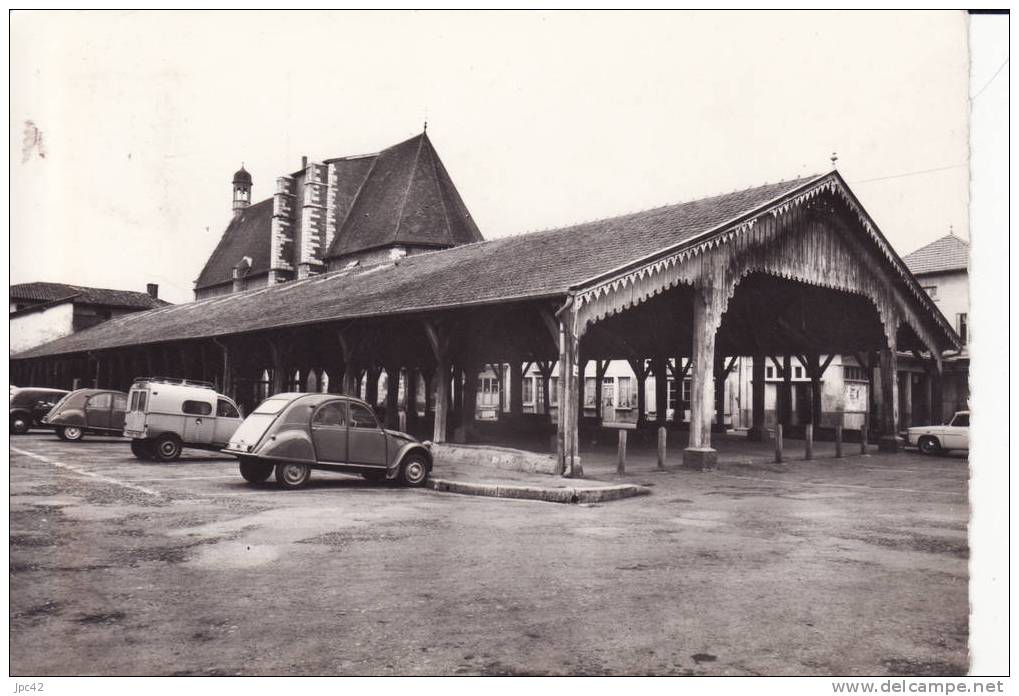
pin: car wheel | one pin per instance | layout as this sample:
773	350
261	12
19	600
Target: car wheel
929	445
19	425
292	474
70	433
166	448
414	470
255	471
373	476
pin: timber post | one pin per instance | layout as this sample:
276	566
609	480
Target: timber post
838	441
778	443
516	388
808	444
621	462
439	342
786	401
568	463
757	383
660	365
707	312
863	433
392	396
890	440
662	434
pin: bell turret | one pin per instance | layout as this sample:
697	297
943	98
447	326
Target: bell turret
242	190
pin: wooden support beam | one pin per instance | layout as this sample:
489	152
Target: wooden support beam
439	341
757	386
706	310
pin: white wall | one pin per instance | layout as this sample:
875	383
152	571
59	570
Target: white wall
35	328
952	293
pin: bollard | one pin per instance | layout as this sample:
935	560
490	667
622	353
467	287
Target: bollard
661	448
838	442
621	465
809	444
778	443
863	436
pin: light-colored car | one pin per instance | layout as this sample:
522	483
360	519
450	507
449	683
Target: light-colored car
934	439
294	433
165	415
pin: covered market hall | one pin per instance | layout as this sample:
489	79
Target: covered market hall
796	268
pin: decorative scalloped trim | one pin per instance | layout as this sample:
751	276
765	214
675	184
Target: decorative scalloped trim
830	184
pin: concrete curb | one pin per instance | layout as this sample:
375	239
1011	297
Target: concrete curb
571	494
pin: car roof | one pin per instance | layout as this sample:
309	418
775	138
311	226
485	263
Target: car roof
294	396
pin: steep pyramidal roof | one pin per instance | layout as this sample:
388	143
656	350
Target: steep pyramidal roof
946	254
402	195
407	197
248	234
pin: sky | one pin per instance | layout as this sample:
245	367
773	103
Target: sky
126	127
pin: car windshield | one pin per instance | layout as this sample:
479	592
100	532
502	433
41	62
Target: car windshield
271	406
961	420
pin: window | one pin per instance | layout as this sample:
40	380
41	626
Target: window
100	402
931	290
225	409
539	388
962	324
686	391
769	372
853	373
624	395
553	390
590	384
798	372
139	400
961	420
332	414
197	408
608	391
271	406
120	402
671	395
361	417
528	390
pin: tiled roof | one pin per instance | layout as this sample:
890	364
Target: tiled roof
48	292
402	195
946	254
248	234
534	265
407	198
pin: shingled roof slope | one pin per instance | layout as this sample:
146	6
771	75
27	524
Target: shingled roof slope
248	234
48	292
539	264
946	254
407	198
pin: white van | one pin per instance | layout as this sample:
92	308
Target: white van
164	415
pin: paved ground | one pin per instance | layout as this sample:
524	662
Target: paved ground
836	566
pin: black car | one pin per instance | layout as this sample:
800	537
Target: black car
30	405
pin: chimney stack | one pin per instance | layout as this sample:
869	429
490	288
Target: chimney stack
153	290
304	162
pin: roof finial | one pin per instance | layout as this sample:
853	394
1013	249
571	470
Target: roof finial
951	229
426	125
834	158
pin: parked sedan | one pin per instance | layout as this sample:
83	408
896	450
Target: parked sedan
292	434
94	411
30	405
934	439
